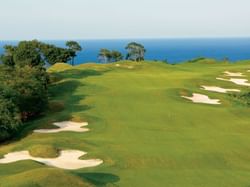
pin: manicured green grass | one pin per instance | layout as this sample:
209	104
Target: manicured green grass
144	131
43	151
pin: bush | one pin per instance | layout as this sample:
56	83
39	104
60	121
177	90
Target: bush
23	86
10	119
24	81
30	87
243	98
32	91
56	106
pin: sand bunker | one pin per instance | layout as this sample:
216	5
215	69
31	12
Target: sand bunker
68	159
199	98
130	67
124	66
242	82
65	126
219	89
230	74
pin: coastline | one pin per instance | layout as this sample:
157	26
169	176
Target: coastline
173	50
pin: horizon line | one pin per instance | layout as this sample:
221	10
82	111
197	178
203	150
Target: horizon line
133	38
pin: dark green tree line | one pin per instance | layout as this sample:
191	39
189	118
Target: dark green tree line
35	52
24	83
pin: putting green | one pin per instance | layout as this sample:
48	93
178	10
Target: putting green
141	127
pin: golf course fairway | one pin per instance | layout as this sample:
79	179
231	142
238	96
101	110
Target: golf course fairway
142	128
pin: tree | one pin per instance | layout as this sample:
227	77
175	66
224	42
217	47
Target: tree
74	47
25	53
30	87
116	56
10	118
23	74
53	54
8	57
104	55
135	51
24	83
34	53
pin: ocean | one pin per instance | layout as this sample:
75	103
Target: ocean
172	50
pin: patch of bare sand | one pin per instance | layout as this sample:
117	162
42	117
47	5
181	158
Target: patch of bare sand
199	98
242	82
219	89
231	74
68	159
65	126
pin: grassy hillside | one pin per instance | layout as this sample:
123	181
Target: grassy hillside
144	131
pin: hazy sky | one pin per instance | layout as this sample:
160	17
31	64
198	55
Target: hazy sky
82	19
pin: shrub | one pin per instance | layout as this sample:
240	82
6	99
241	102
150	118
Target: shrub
23	85
243	98
10	119
30	87
56	106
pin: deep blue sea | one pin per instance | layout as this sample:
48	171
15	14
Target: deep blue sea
172	50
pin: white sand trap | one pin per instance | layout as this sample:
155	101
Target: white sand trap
199	98
230	74
65	126
130	67
117	65
242	82
218	89
68	159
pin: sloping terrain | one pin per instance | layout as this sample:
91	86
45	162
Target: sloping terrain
141	127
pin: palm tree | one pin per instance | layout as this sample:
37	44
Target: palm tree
136	51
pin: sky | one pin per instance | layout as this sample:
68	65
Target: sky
107	19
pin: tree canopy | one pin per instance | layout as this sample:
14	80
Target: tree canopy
25	53
53	54
38	53
73	48
136	51
116	56
106	56
10	119
23	85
